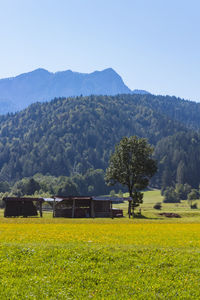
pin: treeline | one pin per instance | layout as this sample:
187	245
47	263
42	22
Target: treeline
181	192
178	158
69	137
89	184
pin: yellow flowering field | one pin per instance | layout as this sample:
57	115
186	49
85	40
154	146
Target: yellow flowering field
98	259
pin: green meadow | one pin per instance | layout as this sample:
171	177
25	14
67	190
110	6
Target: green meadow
150	257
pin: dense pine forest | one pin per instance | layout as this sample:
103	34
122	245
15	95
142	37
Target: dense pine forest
73	138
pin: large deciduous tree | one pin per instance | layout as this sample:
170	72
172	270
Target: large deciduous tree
132	165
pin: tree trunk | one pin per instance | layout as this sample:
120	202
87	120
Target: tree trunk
130	204
133	210
129	209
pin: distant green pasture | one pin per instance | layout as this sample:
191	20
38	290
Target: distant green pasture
152	197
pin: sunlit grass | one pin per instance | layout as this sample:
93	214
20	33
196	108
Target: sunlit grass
143	258
150	214
99	260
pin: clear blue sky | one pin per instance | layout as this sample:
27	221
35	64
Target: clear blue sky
152	44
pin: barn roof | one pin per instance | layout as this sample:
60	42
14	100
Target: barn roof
59	199
86	198
20	199
113	199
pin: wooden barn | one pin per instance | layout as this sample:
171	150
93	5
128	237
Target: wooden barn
25	207
84	207
66	207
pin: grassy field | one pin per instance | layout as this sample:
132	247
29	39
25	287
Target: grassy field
150	214
148	258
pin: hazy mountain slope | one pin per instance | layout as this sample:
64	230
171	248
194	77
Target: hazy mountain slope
40	85
140	92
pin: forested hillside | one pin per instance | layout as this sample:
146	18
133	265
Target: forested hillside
70	136
179	160
186	112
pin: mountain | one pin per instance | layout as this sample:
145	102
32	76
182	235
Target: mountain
67	136
140	92
41	85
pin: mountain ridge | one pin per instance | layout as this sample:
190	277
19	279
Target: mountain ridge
40	85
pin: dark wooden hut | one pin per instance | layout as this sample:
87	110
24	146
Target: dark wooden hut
25	207
84	207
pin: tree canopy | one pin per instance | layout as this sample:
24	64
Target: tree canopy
132	165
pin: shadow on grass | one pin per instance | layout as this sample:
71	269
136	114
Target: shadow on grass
140	216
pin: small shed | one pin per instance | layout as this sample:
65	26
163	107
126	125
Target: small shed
25	207
72	207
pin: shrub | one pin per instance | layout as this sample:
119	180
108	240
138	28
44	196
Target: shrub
157	206
193	196
194	206
170	196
